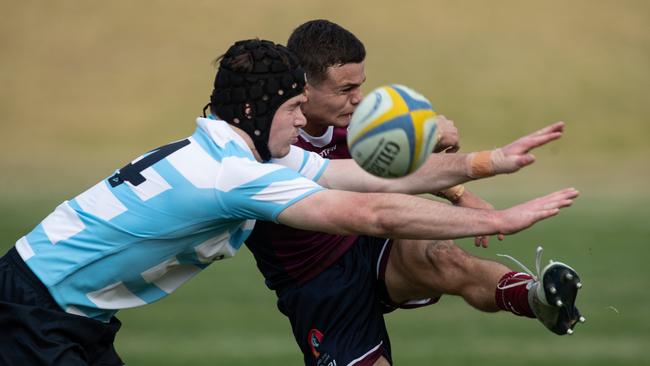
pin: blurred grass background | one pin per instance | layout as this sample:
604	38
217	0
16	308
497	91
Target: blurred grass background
87	85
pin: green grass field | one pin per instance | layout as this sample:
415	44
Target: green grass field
87	86
227	317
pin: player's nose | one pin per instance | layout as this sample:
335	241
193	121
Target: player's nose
301	120
357	97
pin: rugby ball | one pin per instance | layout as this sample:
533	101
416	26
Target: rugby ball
392	131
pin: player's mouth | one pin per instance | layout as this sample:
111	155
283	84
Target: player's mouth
347	116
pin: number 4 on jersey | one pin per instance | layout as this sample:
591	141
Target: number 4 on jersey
131	172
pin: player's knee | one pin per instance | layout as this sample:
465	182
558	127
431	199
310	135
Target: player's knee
446	256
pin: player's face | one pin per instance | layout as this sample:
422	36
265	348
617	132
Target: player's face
284	127
332	101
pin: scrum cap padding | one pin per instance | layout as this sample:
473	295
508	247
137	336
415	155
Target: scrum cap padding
254	78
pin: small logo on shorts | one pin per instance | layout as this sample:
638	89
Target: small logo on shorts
326	360
315	338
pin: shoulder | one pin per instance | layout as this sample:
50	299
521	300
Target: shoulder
220	133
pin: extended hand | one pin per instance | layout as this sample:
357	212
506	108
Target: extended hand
512	157
516	155
522	216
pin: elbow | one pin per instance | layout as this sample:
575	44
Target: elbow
386	226
366	216
381	222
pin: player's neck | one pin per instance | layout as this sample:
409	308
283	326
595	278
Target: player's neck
315	130
249	142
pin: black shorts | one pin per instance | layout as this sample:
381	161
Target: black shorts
35	331
338	317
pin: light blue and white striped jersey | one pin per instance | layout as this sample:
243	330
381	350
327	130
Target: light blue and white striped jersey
137	236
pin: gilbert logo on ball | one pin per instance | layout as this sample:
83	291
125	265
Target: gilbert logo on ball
392	131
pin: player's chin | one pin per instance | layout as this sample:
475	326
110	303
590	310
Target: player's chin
281	153
344	120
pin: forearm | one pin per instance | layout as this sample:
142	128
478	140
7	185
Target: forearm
442	171
412	217
439	172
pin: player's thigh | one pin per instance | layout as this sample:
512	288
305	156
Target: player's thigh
419	269
381	362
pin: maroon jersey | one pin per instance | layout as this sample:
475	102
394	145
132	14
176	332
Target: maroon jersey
285	255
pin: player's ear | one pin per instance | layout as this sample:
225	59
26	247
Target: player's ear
308	89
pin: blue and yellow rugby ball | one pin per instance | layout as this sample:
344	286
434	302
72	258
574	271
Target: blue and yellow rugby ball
392	131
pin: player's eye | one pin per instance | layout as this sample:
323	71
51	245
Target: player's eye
349	89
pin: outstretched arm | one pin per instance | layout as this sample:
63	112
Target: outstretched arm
465	198
441	171
411	217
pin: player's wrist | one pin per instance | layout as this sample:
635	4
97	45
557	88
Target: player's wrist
484	163
497	221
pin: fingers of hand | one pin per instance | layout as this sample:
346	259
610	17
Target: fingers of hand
524	160
444	124
531	142
449	139
557	200
557	204
527	143
571	193
563	193
547	213
555	127
447	135
481	241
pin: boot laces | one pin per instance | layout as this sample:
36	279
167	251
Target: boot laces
535	276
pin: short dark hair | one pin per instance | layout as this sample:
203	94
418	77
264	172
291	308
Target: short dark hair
319	44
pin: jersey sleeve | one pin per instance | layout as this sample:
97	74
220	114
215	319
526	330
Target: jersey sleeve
252	190
308	164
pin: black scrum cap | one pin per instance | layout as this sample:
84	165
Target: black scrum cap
254	78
